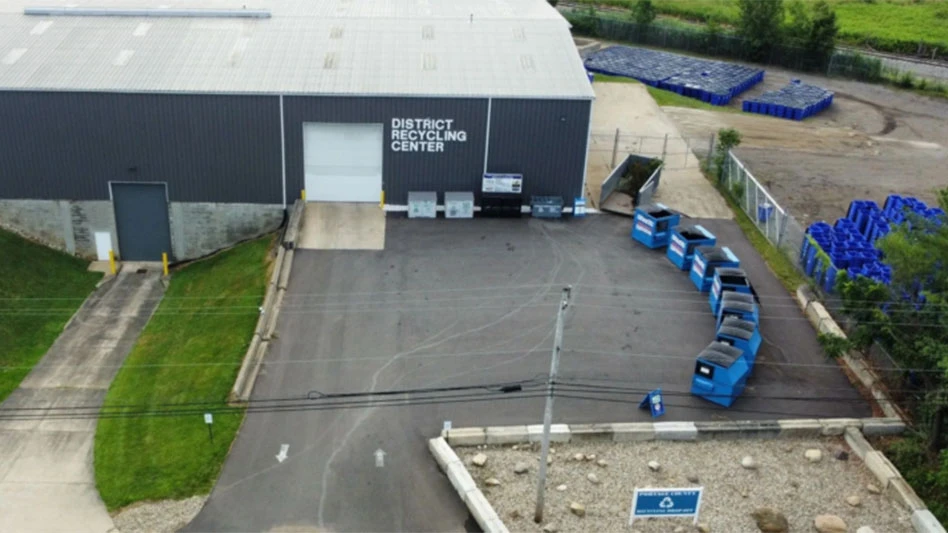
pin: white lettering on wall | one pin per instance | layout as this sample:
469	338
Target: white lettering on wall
424	134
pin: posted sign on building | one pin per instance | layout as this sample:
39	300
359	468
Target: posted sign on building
651	503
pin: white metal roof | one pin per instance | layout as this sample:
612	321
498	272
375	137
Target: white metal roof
517	48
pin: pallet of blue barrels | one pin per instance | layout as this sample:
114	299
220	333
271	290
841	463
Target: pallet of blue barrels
684	240
741	334
706	260
721	374
652	225
727	279
796	101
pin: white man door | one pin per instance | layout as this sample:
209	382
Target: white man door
342	162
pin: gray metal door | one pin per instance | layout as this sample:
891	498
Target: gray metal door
141	217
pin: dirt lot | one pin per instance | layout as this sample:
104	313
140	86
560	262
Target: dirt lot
783	479
872	142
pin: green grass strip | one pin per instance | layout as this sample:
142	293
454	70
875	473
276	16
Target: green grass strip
40	289
155	458
665	98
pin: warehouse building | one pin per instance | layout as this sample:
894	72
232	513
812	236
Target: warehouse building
190	126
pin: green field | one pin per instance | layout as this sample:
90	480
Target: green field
190	351
886	25
40	289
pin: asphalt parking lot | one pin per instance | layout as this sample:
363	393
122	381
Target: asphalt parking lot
462	302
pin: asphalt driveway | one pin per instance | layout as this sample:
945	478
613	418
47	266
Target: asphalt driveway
461	302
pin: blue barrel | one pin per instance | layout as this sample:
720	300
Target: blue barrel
764	212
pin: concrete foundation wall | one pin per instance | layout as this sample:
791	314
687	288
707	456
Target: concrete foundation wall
197	229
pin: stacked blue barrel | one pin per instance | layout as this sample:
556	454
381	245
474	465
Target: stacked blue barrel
849	245
796	101
722	369
714	82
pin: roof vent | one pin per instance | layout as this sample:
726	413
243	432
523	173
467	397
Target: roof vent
142	29
122	58
335	32
429	62
427	32
519	34
146	12
526	62
13	56
331	60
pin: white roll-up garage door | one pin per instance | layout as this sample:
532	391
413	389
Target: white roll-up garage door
342	162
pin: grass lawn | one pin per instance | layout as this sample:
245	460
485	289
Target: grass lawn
154	458
663	97
40	289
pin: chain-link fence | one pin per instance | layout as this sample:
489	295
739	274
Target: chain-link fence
610	147
774	221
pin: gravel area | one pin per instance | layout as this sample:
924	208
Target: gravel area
784	479
165	516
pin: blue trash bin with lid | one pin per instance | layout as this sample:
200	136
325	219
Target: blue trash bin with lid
737	304
720	374
727	279
652	225
706	260
684	239
741	334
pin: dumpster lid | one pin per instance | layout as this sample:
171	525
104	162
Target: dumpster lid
734	322
656	210
693	232
734	305
736	332
734	296
716	254
721	354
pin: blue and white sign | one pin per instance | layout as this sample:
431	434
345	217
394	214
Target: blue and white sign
653	401
650	503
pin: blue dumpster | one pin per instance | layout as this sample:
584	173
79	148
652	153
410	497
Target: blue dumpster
720	374
727	279
652	225
684	239
737	304
706	260
741	334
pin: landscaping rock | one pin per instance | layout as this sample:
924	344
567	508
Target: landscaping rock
854	501
873	489
590	457
749	463
561	488
692	478
515	447
680	529
841	455
770	520
603	463
654	466
829	523
577	509
813	455
593	479
703	528
479	460
492	482
865	529
549	528
521	468
578	457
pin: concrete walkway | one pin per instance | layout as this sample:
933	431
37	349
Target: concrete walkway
47	480
342	226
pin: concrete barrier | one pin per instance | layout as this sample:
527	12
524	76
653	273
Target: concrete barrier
481	509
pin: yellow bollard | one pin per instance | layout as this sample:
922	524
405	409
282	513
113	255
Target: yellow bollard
382	200
164	263
112	261
303	195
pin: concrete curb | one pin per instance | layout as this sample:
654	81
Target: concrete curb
269	311
482	511
821	320
853	430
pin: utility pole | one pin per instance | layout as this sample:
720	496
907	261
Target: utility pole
548	412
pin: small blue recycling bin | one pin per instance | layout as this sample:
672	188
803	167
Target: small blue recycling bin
737	304
720	374
684	239
706	260
652	225
764	212
741	334
727	279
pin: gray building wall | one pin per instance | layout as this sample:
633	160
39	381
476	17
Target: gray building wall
208	148
198	229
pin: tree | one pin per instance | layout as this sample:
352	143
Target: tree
712	34
643	13
798	22
727	138
759	25
821	38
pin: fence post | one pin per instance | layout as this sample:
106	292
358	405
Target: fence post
781	229
615	148
664	147
710	154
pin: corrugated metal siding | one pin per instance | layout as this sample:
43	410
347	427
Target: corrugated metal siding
207	148
545	140
458	168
